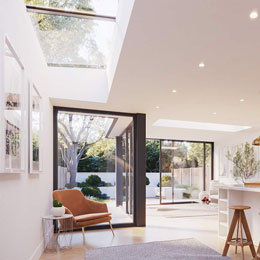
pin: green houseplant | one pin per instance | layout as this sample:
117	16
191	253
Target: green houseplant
57	210
245	165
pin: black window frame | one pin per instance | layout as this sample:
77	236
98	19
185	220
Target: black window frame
139	122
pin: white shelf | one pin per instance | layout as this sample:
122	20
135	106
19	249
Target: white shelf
223	200
224	224
223	237
214	197
223	212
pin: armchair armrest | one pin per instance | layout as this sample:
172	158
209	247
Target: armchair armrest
95	206
67	211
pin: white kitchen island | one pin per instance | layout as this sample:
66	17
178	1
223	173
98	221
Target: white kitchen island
239	195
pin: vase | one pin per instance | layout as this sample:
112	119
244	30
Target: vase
58	211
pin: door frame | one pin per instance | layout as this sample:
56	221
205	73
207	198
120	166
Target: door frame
204	164
139	122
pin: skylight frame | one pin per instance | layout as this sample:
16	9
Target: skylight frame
73	14
69	13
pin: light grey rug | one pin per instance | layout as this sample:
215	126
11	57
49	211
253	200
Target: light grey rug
184	249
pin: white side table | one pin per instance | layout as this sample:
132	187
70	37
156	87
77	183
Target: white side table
57	232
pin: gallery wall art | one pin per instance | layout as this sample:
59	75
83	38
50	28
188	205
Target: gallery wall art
13	112
35	130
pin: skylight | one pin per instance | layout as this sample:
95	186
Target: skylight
200	125
102	7
74	33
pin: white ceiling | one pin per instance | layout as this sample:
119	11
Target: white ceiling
165	42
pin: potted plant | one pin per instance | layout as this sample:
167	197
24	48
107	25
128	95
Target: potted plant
244	162
58	210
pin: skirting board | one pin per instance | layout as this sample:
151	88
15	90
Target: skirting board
37	252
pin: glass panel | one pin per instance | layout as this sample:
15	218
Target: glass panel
195	165
208	163
103	7
74	42
167	172
182	176
96	157
14	111
36	127
152	172
128	174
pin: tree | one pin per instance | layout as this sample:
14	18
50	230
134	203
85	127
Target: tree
174	156
99	157
196	154
152	155
76	133
244	162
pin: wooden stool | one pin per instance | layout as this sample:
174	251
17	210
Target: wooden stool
258	251
239	220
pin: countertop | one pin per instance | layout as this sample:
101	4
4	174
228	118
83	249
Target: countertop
239	187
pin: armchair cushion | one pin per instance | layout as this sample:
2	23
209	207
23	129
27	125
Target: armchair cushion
87	217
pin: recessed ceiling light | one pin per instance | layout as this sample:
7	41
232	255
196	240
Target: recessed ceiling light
199	125
174	91
241	100
253	15
214	113
157	107
202	65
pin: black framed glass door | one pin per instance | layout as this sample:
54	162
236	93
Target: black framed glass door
96	152
185	170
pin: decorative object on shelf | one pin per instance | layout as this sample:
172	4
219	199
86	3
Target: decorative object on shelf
13	115
204	197
256	142
58	210
245	165
203	194
35	130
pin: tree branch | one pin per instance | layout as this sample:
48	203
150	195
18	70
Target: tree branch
64	157
71	127
81	152
66	130
64	138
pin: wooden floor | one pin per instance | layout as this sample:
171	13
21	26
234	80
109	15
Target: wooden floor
203	228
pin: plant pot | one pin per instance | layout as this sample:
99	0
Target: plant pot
58	211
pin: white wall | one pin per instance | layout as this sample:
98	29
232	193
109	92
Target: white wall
79	84
232	139
25	198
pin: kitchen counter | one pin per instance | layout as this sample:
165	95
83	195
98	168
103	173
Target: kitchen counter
239	195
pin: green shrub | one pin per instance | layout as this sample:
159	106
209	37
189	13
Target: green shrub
186	195
147	181
91	191
90	187
166	181
93	180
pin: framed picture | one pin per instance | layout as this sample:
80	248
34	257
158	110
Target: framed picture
35	130
13	112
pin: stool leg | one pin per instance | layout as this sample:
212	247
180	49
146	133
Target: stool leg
237	238
248	234
231	232
258	253
241	233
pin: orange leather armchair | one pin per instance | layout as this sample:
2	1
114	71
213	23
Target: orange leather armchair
85	212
